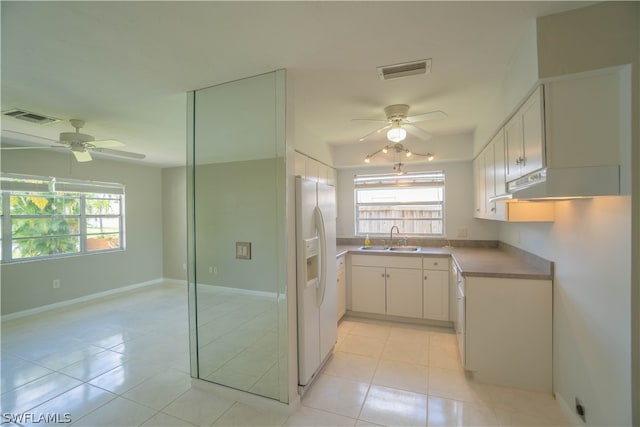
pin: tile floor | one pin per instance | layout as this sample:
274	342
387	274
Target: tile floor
123	361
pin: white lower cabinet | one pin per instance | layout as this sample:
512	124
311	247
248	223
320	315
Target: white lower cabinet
404	292
341	286
400	286
435	294
368	293
508	334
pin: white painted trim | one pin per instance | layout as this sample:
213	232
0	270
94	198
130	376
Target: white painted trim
86	298
175	282
240	291
571	416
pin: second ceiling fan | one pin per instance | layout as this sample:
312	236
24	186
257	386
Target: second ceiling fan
82	145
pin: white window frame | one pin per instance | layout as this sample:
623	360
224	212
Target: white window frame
47	187
423	179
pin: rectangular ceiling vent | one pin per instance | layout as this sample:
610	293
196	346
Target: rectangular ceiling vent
28	116
406	69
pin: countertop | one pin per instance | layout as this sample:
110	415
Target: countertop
476	262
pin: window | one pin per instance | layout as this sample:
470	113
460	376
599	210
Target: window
413	202
45	217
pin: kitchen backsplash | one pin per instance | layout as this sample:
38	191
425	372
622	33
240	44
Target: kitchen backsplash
418	241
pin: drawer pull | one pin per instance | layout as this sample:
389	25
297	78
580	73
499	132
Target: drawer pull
426	277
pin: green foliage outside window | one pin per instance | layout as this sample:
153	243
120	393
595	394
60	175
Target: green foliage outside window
42	225
44	217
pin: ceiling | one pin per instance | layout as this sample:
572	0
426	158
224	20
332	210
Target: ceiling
125	67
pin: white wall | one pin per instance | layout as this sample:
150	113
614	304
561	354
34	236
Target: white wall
521	75
174	223
458	200
27	285
237	202
589	242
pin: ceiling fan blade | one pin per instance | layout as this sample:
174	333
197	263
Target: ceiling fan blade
370	120
119	153
107	143
82	156
426	116
31	148
375	131
417	132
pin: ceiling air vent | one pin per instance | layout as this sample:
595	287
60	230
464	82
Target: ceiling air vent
406	69
28	116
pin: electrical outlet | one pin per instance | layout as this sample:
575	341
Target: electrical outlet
184	267
56	283
210	270
215	270
581	411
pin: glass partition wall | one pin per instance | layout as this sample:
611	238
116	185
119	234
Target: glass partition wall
237	235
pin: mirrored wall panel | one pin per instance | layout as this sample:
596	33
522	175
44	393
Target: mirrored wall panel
237	236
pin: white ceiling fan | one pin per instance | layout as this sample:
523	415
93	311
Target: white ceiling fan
398	123
82	144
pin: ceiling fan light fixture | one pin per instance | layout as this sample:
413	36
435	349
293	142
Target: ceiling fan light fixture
396	134
398	149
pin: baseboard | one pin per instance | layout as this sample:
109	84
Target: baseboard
80	300
568	412
240	291
175	282
447	324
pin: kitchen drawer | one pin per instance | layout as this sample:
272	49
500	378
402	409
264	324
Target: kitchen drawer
435	263
397	261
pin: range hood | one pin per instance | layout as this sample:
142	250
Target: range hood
566	183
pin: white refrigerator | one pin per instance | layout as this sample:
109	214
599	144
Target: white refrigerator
316	276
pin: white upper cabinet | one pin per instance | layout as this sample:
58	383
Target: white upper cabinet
479	187
586	119
500	165
524	138
489	175
314	170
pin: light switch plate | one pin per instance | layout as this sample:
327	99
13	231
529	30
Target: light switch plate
243	250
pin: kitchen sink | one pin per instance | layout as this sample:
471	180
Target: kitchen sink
404	248
374	248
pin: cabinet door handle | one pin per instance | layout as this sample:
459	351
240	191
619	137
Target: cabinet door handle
435	263
426	277
387	276
382	274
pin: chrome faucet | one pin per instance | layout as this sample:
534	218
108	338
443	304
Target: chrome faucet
391	234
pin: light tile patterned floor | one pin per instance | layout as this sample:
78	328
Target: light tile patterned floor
123	361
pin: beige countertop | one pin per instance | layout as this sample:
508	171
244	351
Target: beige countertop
476	262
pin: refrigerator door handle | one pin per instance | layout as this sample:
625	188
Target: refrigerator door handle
322	270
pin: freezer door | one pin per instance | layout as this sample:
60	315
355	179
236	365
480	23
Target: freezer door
328	309
308	310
